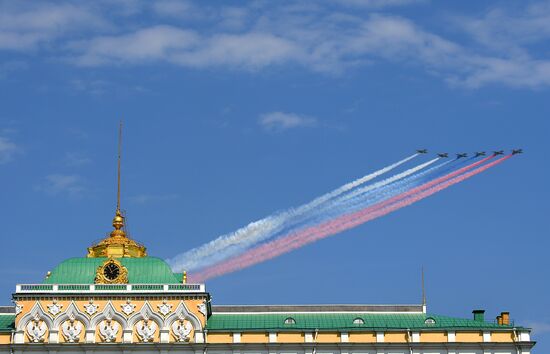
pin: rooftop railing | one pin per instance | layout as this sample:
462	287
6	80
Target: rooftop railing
109	288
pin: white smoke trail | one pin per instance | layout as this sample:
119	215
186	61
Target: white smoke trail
228	244
368	195
348	186
347	200
386	181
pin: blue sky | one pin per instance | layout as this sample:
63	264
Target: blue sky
234	110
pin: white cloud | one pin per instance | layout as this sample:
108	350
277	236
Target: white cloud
378	3
55	184
144	45
499	47
249	51
25	25
173	8
329	45
283	121
514	72
305	43
506	28
8	149
185	47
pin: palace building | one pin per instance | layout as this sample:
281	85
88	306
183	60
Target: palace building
118	299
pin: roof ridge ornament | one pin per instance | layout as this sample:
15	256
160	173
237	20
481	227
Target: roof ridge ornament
118	244
118	174
118	220
424	304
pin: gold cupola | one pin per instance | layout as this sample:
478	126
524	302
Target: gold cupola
117	244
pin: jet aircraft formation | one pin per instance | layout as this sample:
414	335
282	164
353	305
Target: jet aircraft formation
476	154
350	205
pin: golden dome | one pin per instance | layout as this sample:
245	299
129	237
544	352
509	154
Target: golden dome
117	244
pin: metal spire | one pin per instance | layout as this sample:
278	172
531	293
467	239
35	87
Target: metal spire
117	244
423	289
118	174
118	221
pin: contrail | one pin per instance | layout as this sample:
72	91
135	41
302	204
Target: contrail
386	181
359	198
357	182
229	244
396	198
397	187
296	240
351	220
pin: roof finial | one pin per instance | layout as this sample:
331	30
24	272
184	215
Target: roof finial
118	175
118	220
118	243
423	289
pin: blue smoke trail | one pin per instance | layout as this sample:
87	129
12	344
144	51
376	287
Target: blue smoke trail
375	196
344	206
320	209
227	245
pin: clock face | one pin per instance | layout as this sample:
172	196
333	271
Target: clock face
111	271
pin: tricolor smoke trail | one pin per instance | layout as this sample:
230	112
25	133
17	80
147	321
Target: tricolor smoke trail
387	181
365	196
230	244
298	239
347	205
347	200
388	202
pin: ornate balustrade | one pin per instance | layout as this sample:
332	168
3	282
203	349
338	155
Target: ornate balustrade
109	288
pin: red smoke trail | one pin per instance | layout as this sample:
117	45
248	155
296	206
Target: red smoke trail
303	237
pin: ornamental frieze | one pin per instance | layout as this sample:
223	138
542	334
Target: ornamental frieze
146	330
182	329
91	308
108	329
71	330
36	330
128	307
165	308
86	323
55	308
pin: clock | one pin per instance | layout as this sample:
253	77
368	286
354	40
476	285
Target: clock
111	272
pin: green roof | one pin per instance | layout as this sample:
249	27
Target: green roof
7	322
324	321
339	321
144	270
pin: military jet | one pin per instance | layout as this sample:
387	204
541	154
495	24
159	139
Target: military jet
443	154
480	153
498	152
422	151
517	151
459	156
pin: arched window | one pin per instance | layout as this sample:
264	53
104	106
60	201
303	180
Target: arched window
429	321
290	321
358	321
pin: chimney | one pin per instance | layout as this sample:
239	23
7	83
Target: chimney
499	320
505	318
479	315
